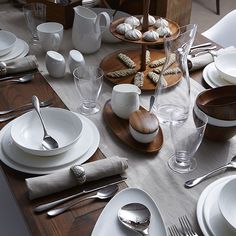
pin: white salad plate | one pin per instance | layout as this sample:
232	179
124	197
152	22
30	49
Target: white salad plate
20	49
108	223
212	77
31	164
209	220
62	124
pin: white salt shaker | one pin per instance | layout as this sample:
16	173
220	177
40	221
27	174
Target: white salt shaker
55	64
75	60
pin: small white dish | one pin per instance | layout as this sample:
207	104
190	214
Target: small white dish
64	125
107	36
12	161
75	59
201	201
20	49
109	224
227	203
7	42
55	64
226	66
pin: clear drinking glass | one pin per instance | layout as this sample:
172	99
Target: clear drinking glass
88	81
186	138
177	97
35	14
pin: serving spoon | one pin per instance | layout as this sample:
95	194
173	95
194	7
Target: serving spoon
136	217
104	193
193	182
48	142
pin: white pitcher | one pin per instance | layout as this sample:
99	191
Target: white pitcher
86	31
125	100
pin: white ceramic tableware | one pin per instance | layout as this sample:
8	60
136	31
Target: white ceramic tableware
25	163
226	66
7	42
86	30
125	100
126	196
75	59
107	36
227	203
64	125
50	35
55	64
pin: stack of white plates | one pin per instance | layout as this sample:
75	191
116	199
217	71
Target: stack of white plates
212	77
18	157
209	209
19	50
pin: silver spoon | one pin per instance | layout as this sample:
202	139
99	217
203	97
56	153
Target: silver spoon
23	79
48	142
193	182
104	193
136	217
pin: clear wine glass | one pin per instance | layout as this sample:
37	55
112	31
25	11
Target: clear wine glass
175	98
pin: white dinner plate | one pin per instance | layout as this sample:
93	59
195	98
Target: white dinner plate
95	136
20	50
108	223
212	78
201	201
211	212
23	158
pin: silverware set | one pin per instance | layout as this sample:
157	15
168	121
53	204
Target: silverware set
186	228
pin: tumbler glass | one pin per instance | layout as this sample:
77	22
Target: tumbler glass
35	14
88	81
175	98
186	138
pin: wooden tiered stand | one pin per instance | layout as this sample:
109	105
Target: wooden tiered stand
112	63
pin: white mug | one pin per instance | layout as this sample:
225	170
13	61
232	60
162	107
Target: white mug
75	59
55	64
50	35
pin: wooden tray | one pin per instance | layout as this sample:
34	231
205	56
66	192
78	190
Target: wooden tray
112	63
120	128
174	27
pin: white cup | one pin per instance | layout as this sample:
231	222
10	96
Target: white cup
50	35
75	60
55	64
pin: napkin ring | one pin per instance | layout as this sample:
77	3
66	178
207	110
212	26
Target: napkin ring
3	68
79	173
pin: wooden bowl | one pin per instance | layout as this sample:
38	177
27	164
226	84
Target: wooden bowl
218	102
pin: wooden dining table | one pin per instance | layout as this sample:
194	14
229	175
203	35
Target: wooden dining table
148	172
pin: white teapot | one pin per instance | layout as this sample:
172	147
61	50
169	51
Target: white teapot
86	31
125	100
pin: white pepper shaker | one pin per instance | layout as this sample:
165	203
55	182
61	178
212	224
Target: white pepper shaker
75	60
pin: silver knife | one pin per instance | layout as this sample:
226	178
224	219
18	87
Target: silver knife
52	204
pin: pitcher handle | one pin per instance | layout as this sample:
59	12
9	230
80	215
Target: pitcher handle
98	20
56	42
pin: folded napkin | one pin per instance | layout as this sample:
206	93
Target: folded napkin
76	175
199	62
19	65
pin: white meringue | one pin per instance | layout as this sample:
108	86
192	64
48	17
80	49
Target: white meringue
163	31
133	21
133	34
151	20
123	27
161	22
151	36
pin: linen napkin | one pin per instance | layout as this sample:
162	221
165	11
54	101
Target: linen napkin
20	65
201	61
76	175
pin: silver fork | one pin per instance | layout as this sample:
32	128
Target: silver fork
187	227
173	230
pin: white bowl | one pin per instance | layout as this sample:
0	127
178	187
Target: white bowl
7	42
226	66
227	202
107	36
63	125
